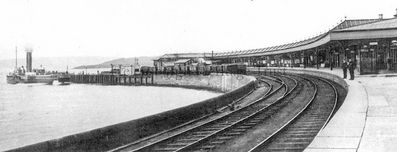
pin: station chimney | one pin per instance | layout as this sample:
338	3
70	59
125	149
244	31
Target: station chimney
28	59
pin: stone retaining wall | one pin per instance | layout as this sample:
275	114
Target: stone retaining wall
217	81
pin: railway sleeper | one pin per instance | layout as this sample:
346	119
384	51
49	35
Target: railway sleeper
186	140
306	127
225	123
178	144
315	117
217	142
314	121
224	137
198	136
290	145
286	149
308	123
254	121
207	147
315	114
233	133
249	124
297	135
166	149
238	130
212	128
244	127
303	129
294	139
219	125
204	132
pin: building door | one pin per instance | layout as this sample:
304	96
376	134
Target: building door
367	60
392	60
381	58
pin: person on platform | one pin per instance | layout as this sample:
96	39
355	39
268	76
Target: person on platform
23	70
352	66
344	68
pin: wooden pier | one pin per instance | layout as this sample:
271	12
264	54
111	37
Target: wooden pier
112	79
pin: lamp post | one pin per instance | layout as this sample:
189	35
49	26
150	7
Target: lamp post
111	69
331	62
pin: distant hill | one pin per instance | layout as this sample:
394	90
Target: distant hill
54	63
145	61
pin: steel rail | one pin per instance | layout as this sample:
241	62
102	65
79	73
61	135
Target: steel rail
161	140
177	127
259	146
187	147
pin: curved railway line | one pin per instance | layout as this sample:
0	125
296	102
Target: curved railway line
294	109
298	133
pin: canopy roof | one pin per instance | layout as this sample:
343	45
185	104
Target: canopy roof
186	55
345	26
348	29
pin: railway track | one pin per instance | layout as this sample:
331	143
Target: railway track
298	133
200	133
269	85
307	101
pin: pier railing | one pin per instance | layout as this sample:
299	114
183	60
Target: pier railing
112	79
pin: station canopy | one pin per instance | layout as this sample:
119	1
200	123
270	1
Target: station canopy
343	31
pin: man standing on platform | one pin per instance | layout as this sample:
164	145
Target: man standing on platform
352	66
344	67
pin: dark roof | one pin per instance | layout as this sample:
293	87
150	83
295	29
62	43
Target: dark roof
384	24
351	23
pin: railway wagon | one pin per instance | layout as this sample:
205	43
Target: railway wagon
169	70
224	68
200	69
182	69
203	69
193	69
145	70
218	68
237	68
153	70
177	69
207	69
213	68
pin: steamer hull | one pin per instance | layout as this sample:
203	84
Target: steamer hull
14	79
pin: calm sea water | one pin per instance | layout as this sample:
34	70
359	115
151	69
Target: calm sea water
30	113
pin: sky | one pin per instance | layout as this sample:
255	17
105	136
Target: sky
131	28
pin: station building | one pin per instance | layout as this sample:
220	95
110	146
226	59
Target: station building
371	43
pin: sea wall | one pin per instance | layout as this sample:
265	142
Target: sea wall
217	82
110	137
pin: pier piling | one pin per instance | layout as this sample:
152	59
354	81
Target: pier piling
113	79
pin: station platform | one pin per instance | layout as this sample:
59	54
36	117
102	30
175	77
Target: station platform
366	121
